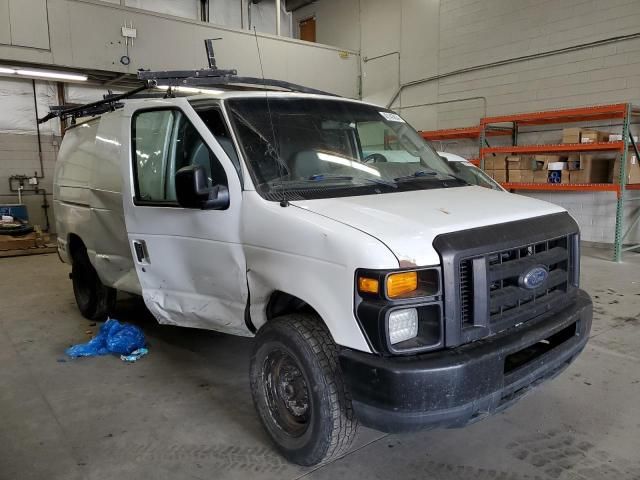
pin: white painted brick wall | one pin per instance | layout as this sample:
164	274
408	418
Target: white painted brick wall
475	32
595	213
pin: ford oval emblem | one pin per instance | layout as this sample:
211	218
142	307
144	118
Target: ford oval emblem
534	278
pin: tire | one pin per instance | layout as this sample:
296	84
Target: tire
16	230
95	300
307	425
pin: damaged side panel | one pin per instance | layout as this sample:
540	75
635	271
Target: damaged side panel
315	261
109	251
190	262
194	282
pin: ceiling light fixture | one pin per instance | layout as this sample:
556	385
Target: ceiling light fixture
52	75
10	71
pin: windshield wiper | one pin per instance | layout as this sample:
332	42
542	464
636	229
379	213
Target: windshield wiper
429	173
321	177
316	178
418	174
458	179
379	181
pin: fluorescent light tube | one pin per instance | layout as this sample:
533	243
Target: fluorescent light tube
7	70
52	75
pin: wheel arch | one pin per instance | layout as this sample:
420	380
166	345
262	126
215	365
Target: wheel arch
75	246
282	303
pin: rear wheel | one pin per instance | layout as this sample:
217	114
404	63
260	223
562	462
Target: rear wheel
95	300
298	390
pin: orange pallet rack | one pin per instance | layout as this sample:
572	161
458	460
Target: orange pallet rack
623	111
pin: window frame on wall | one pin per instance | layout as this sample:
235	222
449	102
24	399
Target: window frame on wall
171	160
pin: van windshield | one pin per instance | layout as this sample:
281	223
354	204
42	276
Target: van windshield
305	148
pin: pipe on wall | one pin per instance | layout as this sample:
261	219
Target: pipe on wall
204	11
455	100
35	107
509	61
278	29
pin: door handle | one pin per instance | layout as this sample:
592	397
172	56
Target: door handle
141	251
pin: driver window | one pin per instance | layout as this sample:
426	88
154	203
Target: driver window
164	141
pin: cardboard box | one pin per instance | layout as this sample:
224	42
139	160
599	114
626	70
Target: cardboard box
499	162
540	162
633	170
540	176
592	170
558	176
571	135
521	176
557	166
573	162
520	162
617	137
513	162
500	176
581	135
593	136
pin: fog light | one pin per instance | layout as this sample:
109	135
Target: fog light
403	325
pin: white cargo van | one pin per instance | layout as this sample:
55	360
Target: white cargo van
382	289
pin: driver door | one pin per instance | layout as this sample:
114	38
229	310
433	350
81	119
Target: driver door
190	262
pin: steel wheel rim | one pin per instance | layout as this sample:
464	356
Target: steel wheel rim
82	280
287	394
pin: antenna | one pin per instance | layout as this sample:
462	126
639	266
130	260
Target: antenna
283	202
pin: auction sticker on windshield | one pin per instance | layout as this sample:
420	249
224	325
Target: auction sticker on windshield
392	117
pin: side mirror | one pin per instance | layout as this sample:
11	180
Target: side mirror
192	190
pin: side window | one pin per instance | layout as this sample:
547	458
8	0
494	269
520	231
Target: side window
164	141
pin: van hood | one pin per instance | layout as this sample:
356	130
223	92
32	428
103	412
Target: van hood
408	222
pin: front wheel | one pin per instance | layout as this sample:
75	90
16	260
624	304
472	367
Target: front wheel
299	392
95	300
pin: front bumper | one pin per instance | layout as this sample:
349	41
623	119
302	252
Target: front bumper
458	386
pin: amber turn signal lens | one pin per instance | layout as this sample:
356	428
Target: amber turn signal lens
399	284
368	285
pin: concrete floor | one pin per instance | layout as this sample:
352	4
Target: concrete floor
185	410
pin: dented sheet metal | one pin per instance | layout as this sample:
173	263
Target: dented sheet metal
190	263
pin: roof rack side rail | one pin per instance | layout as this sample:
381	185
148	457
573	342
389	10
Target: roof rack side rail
110	102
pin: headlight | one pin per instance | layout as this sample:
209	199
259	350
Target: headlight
400	285
411	330
403	325
400	311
